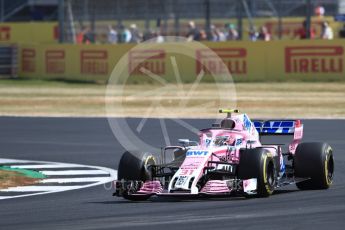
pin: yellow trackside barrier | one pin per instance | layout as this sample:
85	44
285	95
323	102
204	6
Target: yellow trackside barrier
306	60
315	60
74	62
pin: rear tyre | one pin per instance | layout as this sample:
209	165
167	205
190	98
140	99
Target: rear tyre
314	160
135	166
258	163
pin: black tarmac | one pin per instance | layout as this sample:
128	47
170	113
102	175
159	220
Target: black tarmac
90	141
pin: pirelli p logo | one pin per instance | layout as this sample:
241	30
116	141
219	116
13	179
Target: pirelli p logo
55	61
94	62
152	60
314	59
232	59
28	60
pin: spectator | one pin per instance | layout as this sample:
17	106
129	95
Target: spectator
85	36
135	35
221	35
253	34
203	35
319	11
148	34
193	33
232	33
80	35
326	31
89	36
264	35
153	36
302	32
112	35
159	37
216	34
124	35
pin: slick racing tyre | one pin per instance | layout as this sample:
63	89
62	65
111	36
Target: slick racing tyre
314	161
136	166
258	163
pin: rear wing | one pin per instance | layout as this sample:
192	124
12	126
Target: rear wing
282	127
278	127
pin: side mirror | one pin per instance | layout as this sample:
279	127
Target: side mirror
187	142
183	141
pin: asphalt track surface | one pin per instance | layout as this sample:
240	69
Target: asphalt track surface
90	141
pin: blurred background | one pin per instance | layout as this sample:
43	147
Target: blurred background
116	21
135	21
266	42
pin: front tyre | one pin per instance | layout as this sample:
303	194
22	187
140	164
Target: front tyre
135	166
258	163
314	160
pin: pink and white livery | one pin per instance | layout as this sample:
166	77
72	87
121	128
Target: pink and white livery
228	159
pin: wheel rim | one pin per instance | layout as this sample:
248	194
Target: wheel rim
330	169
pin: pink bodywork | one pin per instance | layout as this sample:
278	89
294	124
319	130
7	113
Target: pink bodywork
242	135
296	138
151	187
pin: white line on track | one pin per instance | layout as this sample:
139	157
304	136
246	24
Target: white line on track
6	161
34	188
46	166
46	189
73	180
74	172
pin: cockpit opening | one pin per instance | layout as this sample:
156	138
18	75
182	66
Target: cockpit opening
227	124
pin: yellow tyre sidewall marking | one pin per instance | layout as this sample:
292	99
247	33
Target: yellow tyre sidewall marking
268	189
328	181
149	158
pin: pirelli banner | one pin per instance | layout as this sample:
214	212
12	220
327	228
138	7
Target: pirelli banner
70	62
284	60
246	61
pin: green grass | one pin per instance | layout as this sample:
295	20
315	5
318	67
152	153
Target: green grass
12	177
24	172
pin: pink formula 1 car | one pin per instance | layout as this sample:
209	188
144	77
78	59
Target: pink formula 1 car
228	159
